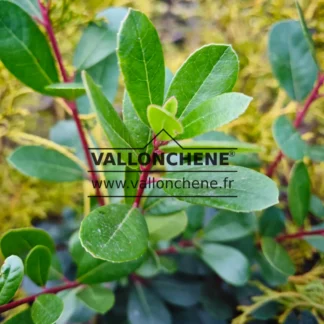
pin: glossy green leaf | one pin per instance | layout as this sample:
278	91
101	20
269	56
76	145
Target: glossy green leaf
38	264
12	273
230	264
45	164
277	256
171	106
299	193
24	49
288	138
116	233
229	226
145	307
218	69
21	241
160	119
272	222
97	42
111	123
291	59
105	74
209	147
249	191
164	228
23	317
97	298
30	6
316	206
46	309
69	91
213	113
91	270
55	271
141	62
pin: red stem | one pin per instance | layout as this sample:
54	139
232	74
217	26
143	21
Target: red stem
49	29
30	299
300	234
299	119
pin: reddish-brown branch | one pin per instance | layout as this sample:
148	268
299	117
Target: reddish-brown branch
30	299
299	119
46	22
299	235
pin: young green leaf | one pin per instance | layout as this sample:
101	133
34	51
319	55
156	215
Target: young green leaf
38	264
291	59
12	273
213	113
316	207
229	226
277	256
24	49
30	6
22	317
272	222
21	241
230	264
160	119
46	309
299	193
69	91
92	271
145	307
256	193
288	138
45	164
97	298
141	62
171	105
163	228
116	233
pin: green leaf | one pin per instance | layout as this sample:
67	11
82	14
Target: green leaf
91	270
21	241
69	91
38	264
113	16
12	273
316	207
272	222
160	119
97	298
218	70
164	228
250	190
171	106
315	153
213	113
151	265
97	42
306	32
111	123
209	147
45	164
177	291
291	59
317	241
116	233
229	226
131	191
46	309
24	49
141	62
230	264
105	74
277	256
299	193
30	6
288	138
22	317
145	307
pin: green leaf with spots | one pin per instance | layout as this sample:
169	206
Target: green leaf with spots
299	193
116	233
141	62
213	113
68	91
21	241
24	49
38	264
46	309
12	273
160	119
218	70
45	164
277	256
